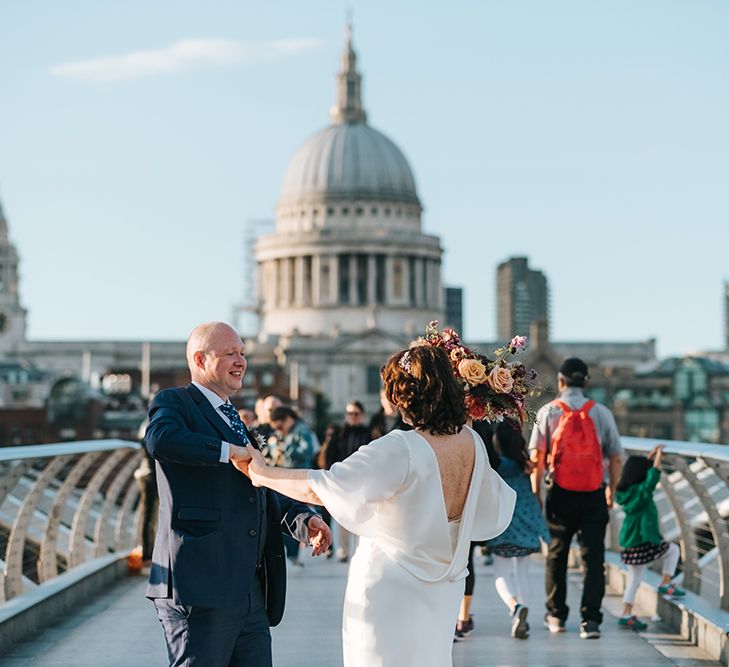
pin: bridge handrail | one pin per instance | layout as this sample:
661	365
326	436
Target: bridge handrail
694	490
679	447
82	492
61	448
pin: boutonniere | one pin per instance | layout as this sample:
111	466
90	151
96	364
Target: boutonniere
258	438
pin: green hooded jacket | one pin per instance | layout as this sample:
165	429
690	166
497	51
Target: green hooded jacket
640	525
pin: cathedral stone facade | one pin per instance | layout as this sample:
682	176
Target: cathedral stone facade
348	277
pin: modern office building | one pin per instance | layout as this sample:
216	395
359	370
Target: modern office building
522	298
453	317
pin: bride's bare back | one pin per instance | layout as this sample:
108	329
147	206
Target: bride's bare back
455	455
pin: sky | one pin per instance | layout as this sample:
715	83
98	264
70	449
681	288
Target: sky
138	138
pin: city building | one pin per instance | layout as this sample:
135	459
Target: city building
344	277
453	306
522	297
348	276
726	316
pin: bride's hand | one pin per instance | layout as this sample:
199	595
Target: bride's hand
257	466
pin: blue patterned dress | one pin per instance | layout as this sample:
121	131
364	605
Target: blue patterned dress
527	525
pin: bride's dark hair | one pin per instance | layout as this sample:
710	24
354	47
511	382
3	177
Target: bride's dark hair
420	382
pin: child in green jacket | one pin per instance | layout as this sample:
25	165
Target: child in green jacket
640	535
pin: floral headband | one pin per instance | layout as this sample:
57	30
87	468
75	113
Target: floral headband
405	362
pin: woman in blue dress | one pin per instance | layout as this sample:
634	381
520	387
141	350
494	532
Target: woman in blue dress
511	549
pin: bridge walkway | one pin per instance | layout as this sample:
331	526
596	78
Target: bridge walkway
119	629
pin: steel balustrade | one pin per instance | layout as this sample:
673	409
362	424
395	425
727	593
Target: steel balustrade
83	492
693	503
76	501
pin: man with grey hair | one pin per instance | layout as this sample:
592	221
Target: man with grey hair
578	495
218	574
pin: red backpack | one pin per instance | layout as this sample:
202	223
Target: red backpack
575	454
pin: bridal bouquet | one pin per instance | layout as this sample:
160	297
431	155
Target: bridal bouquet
495	388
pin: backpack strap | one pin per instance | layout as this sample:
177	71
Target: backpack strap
587	407
549	461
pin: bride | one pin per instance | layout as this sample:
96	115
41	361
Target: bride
416	499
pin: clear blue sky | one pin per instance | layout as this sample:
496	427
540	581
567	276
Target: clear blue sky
591	137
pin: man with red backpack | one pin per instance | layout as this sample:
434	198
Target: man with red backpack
572	437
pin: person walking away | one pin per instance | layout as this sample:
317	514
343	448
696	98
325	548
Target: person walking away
570	440
512	549
640	535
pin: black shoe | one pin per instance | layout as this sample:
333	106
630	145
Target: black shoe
519	626
464	627
589	630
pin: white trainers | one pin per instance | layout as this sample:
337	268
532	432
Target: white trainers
553	624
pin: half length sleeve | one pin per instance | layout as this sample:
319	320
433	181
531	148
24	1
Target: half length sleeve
352	489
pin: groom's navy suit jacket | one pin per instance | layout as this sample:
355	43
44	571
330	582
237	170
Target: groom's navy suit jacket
211	518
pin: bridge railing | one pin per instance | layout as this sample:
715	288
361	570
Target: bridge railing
62	505
693	503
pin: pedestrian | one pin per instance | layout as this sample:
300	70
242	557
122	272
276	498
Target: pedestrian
319	462
640	535
346	441
386	419
571	439
262	408
292	445
512	549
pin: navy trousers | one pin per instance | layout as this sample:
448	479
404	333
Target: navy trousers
214	637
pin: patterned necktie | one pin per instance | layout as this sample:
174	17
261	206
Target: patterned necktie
235	421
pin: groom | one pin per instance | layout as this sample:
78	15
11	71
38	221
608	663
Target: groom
218	575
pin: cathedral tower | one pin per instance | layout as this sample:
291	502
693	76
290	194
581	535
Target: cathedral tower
12	314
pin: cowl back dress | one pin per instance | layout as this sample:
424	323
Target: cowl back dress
405	580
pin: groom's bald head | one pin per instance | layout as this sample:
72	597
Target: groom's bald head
216	358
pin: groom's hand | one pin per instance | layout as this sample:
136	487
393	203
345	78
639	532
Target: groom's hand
320	537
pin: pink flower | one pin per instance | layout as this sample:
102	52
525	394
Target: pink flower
450	335
518	343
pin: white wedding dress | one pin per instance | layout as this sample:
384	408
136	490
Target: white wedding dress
406	578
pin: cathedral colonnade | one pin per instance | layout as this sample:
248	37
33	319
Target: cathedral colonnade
352	278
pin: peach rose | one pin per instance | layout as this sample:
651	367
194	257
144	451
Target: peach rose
472	371
501	380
